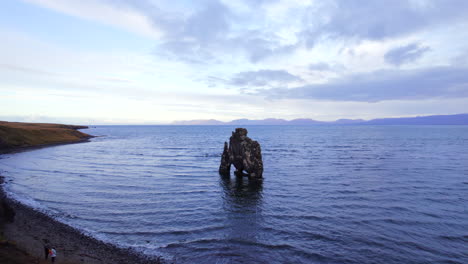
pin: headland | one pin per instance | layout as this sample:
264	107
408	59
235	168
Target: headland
15	136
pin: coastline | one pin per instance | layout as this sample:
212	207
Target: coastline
28	230
25	231
34	147
16	136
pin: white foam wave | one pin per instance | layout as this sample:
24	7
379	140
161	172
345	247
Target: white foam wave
59	216
25	199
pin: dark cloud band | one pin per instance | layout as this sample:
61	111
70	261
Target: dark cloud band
437	82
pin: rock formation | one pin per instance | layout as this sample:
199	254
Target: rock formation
244	153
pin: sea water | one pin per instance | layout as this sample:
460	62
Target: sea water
330	194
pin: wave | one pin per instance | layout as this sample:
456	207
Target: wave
26	200
336	197
461	238
166	232
211	245
295	216
197	242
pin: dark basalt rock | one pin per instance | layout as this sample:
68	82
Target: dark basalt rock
244	153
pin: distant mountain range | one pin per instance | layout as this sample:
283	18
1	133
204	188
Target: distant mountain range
459	119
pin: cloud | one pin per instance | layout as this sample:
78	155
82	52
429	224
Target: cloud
326	67
436	82
377	20
263	78
260	45
461	59
114	79
405	54
218	31
195	37
209	32
320	66
108	12
27	70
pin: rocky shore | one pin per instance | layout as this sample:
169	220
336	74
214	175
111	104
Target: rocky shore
24	231
27	231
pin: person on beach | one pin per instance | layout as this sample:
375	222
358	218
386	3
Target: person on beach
53	254
46	251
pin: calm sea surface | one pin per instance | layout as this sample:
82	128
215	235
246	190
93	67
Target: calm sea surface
330	194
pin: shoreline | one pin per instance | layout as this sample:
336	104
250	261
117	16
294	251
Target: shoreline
40	146
16	136
29	230
24	231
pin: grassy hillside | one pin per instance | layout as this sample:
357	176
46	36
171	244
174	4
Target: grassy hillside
18	135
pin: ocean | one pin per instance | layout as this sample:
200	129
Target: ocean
330	194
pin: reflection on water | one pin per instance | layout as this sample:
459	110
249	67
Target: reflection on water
242	192
242	203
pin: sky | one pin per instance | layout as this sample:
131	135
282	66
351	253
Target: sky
154	62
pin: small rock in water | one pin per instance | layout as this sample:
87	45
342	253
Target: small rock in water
244	153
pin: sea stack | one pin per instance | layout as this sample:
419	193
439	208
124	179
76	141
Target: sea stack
244	153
